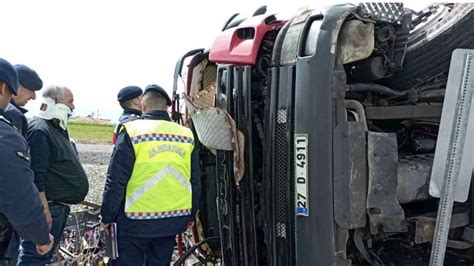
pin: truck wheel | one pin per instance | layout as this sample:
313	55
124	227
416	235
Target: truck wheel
431	43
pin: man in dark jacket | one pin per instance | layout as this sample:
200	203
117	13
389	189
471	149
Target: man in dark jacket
30	82
130	99
20	205
153	184
59	175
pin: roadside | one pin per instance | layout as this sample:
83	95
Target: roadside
94	159
94	144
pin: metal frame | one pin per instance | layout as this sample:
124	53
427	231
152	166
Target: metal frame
227	190
242	113
281	169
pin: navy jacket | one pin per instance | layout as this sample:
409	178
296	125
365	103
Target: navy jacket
119	173
129	114
19	198
16	115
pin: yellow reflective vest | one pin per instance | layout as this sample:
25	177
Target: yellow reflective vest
160	183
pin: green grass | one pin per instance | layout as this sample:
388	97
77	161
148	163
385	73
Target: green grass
91	133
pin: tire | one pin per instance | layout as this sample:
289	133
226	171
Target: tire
430	46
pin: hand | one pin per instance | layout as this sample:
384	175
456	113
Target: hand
43	249
49	218
105	228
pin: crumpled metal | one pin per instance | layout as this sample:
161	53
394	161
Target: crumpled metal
217	130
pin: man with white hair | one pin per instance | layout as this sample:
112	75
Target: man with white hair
58	174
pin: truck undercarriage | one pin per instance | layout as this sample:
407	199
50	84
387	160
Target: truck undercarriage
318	136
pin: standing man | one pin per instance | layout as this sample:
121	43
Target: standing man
30	82
20	204
130	99
59	175
153	184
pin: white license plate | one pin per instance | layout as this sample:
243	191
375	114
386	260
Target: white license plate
301	174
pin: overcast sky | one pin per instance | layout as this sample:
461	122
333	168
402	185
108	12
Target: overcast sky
98	47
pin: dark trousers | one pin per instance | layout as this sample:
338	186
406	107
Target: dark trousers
11	251
145	251
28	255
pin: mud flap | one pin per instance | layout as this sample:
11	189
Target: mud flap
383	208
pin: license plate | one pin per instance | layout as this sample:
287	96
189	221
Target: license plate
301	174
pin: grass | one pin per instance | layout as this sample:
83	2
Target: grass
91	133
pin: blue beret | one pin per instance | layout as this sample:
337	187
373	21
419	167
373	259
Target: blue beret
8	75
28	78
128	93
160	90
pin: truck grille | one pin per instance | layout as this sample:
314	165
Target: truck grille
281	170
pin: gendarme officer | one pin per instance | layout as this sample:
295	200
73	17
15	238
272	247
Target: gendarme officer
130	99
20	204
30	82
153	184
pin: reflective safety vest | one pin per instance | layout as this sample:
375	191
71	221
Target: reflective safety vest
160	183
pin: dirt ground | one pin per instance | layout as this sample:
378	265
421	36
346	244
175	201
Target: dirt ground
95	159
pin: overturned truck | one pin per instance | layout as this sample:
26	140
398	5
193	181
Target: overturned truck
329	138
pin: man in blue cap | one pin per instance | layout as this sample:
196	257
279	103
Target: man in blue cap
20	205
153	184
130	99
30	82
